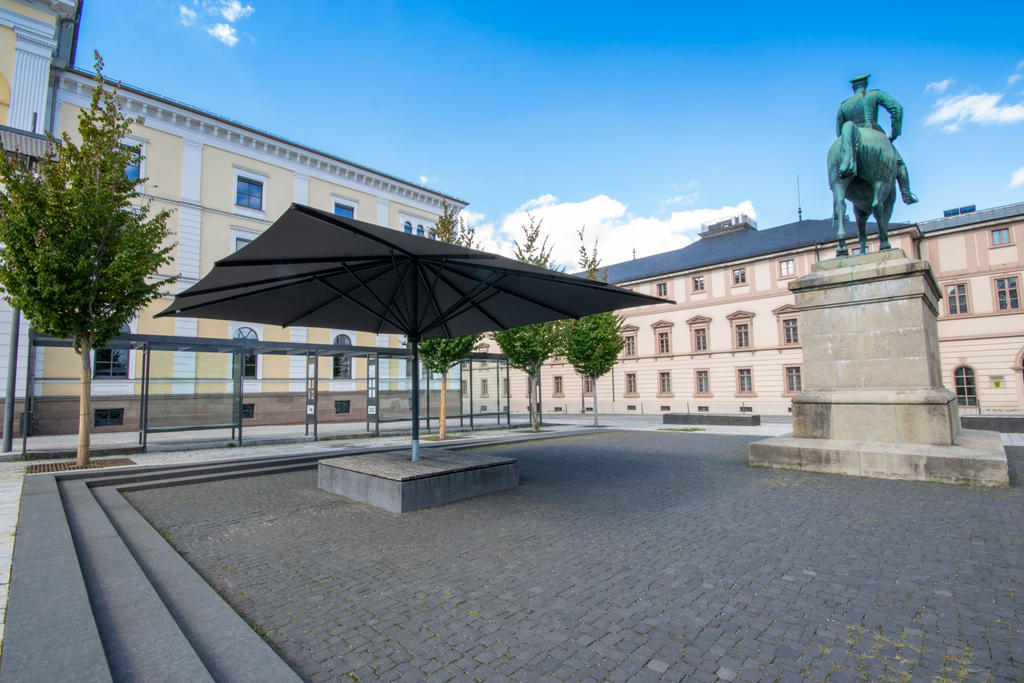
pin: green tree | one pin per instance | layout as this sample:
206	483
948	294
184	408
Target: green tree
79	251
528	347
592	344
437	354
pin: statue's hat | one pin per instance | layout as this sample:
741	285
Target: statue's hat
862	77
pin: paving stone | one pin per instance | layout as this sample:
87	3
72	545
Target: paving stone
622	556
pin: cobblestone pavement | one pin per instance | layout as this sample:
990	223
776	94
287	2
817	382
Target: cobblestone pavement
622	555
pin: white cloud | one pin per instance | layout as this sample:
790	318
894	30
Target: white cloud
186	15
225	33
1020	65
233	10
617	231
684	199
939	87
982	108
1017	179
1013	78
424	180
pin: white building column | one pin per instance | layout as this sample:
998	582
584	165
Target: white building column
383	211
190	223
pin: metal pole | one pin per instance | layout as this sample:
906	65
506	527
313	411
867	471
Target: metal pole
508	395
239	388
26	409
471	392
146	372
428	404
497	389
540	401
376	393
414	341
12	372
316	393
305	394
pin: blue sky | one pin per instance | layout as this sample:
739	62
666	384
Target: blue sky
638	120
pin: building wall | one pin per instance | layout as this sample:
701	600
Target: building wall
987	340
192	160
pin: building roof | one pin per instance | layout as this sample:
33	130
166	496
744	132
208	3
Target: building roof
972	217
125	87
734	245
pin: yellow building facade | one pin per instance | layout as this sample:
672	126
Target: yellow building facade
224	182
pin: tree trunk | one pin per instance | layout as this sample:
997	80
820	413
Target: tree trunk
533	403
593	383
84	411
442	420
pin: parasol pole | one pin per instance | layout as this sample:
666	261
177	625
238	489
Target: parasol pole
414	341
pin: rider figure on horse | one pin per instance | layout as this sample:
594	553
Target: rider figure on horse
860	110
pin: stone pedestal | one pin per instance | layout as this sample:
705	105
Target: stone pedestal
391	480
873	400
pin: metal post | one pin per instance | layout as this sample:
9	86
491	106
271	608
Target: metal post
144	397
414	341
305	395
540	401
12	373
471	390
376	393
239	388
26	409
428	401
497	380
508	394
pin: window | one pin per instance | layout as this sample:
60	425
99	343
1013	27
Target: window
112	362
558	385
108	417
342	407
630	382
956	298
249	356
742	335
793	380
790	331
341	366
483	388
1007	297
787	268
661	289
664	343
248	411
703	409
700	339
630	345
134	168
588	386
407	227
703	382
249	193
419	230
745	380
241	242
966	390
1000	236
739	276
664	382
344	210
697	282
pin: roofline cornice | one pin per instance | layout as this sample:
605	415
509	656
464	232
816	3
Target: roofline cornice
76	88
911	228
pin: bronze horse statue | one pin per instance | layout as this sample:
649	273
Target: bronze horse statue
871	188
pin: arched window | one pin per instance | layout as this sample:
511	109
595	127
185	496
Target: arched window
407	226
249	358
419	230
342	365
112	362
966	389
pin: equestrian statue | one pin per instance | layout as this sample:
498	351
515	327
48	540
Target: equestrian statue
863	165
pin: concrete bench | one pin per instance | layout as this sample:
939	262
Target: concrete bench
735	419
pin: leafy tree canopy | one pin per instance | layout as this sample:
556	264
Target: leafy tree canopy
78	252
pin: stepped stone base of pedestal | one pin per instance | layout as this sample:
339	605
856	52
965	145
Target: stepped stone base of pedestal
976	457
390	480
